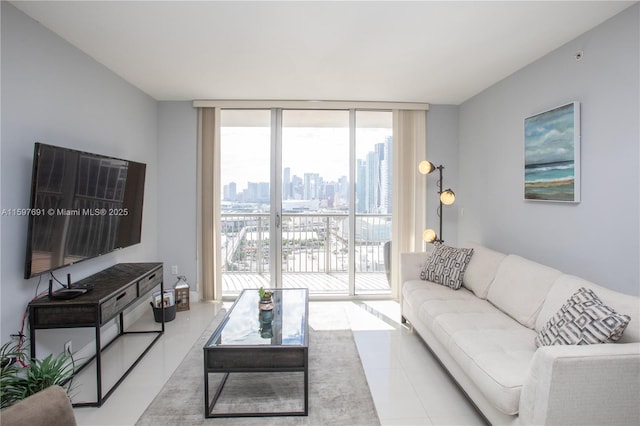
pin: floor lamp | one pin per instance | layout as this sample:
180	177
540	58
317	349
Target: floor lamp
447	197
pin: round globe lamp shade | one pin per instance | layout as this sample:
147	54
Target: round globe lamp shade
426	167
447	197
429	235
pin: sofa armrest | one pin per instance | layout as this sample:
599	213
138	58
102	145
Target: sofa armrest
585	384
411	264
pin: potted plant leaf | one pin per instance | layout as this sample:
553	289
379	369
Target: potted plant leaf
265	295
21	377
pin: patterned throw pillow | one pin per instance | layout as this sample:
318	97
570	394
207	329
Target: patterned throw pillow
446	265
583	320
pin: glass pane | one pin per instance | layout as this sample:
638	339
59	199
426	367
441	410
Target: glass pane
248	325
373	201
315	200
245	161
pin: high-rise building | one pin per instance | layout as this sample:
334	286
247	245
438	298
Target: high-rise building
229	192
361	186
386	176
286	183
251	193
372	191
312	184
264	194
373	180
342	193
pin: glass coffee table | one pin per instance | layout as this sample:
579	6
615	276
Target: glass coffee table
258	348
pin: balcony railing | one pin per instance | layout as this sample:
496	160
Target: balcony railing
311	244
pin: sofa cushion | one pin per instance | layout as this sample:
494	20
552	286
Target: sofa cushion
583	320
446	265
520	287
437	300
497	360
416	292
566	285
482	269
492	348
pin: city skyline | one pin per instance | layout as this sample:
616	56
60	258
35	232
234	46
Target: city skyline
373	185
246	152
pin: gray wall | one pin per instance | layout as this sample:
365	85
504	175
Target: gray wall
597	239
53	93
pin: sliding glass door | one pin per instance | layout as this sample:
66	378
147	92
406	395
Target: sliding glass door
373	206
245	170
306	200
315	200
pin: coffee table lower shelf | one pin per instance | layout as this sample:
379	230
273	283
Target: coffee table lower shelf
265	360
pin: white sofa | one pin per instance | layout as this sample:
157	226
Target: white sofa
484	335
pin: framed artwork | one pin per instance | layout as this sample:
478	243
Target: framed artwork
552	155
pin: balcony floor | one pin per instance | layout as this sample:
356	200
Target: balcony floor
317	283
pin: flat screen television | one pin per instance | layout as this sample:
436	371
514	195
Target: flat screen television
82	206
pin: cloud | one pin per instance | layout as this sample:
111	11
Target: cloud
549	137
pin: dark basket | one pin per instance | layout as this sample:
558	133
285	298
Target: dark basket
169	313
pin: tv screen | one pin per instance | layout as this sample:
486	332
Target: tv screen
82	205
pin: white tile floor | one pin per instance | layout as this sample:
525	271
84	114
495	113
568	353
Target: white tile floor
407	384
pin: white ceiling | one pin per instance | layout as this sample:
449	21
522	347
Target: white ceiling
418	51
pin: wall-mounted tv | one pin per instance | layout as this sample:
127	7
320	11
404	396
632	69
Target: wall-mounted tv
82	205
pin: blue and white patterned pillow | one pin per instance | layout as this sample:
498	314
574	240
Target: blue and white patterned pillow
446	265
583	320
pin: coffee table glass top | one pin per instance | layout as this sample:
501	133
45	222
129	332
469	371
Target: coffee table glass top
246	325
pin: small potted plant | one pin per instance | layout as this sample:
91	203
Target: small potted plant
265	295
266	303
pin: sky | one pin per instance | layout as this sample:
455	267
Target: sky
549	136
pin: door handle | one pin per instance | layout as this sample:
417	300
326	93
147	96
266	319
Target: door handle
277	220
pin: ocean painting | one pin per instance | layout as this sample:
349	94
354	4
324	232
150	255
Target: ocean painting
552	155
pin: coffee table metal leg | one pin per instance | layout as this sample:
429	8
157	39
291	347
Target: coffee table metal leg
306	390
210	406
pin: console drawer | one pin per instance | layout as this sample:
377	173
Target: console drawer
113	306
150	281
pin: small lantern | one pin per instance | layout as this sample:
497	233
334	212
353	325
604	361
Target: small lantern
182	293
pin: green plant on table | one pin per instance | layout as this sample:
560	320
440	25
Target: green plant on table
264	294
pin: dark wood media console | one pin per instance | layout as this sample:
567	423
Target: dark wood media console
113	290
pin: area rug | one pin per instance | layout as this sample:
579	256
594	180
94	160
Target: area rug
338	389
